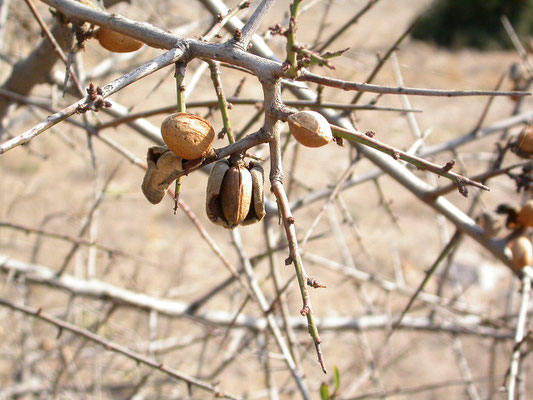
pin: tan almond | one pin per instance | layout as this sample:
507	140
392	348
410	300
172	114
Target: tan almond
187	135
236	195
117	42
525	215
522	251
310	128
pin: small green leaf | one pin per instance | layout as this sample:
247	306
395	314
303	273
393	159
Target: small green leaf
324	392
337	378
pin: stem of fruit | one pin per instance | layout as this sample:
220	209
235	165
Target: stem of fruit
180	97
292	51
222	102
296	260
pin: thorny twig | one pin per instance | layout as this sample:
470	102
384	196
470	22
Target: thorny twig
443	170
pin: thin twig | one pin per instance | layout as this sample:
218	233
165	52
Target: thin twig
307	76
296	260
253	102
442	170
516	43
449	246
271	321
414	389
76	240
519	335
215	29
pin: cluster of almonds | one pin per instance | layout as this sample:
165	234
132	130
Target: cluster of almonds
234	191
520	221
235	194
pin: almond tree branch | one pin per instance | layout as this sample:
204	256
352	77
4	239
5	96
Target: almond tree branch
307	76
251	27
420	163
88	103
426	151
264	68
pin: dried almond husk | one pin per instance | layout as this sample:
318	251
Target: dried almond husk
522	251
310	128
161	162
257	206
213	206
235	194
189	136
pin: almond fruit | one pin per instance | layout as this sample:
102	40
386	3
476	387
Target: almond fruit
187	135
310	128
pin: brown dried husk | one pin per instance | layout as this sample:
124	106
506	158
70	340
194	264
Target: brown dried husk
160	164
213	206
187	135
257	207
236	195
